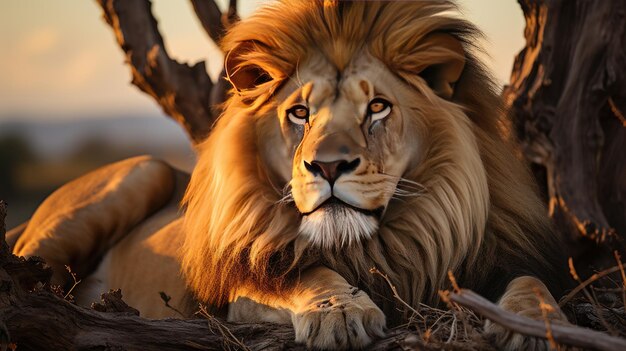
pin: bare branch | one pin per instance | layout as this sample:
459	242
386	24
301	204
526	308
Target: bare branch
232	15
568	335
210	17
584	284
182	91
214	22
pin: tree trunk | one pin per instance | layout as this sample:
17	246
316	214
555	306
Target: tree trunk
567	98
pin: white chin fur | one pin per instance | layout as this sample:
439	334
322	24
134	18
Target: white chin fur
337	226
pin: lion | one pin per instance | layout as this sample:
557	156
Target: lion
356	135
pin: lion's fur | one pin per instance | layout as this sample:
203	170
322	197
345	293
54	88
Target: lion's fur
480	216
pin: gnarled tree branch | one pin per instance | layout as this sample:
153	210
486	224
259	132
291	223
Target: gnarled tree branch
183	91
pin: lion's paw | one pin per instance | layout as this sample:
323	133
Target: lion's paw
347	321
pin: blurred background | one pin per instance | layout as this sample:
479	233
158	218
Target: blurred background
67	105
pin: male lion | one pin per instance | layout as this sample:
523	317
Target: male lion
358	135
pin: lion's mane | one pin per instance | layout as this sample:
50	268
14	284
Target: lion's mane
480	216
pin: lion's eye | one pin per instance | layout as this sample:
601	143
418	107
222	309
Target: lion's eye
379	108
298	114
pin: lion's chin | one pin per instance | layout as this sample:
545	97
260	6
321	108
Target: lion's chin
335	226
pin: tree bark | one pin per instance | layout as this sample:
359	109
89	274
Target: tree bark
567	97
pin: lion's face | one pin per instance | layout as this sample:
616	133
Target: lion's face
350	107
350	136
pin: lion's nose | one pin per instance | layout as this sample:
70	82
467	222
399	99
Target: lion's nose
332	170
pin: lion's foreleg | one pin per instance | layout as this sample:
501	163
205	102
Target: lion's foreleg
326	311
522	296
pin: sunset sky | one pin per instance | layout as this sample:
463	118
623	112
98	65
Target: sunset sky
60	61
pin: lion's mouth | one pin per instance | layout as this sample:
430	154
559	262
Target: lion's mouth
333	204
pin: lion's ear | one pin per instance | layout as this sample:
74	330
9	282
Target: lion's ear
450	57
240	72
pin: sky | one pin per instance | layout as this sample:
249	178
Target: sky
60	61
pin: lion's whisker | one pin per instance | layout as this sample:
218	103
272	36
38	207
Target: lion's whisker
287	196
402	187
285	200
404	193
411	182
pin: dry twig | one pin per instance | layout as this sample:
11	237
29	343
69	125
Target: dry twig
394	291
617	112
623	274
591	297
68	295
166	299
546	309
585	283
228	337
441	328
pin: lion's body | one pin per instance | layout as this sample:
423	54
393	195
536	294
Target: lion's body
297	258
154	250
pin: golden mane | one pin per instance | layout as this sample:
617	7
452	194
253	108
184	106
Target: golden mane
479	217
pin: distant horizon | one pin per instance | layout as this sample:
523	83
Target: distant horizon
41	118
53	139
